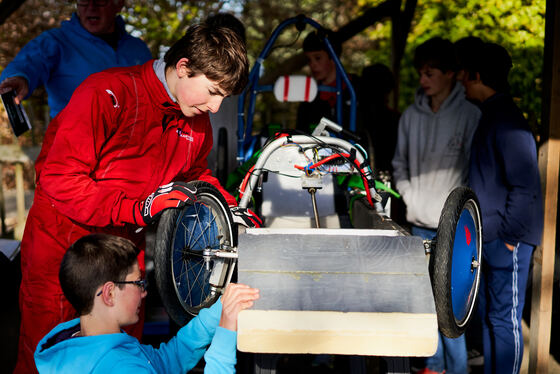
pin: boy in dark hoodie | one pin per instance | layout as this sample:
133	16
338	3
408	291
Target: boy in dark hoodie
504	174
100	277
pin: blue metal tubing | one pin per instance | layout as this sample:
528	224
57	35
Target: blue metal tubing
342	73
244	131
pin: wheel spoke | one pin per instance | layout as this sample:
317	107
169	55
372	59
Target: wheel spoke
204	230
193	223
189	287
196	280
184	270
201	277
199	227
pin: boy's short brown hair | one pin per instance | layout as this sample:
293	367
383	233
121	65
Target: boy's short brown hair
92	261
217	52
315	41
493	63
437	53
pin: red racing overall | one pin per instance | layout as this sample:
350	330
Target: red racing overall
119	138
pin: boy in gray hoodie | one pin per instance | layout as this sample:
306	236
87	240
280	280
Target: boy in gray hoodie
432	158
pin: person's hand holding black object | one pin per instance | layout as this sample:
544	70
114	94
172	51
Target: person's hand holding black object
171	195
16	84
245	217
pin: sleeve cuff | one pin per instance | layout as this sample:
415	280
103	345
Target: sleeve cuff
129	213
223	347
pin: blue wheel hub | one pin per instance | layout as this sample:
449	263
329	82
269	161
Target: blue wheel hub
463	268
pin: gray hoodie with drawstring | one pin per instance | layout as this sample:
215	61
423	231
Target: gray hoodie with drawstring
432	154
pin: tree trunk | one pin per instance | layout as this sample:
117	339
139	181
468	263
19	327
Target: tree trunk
7	7
400	29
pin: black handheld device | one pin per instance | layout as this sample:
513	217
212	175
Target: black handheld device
16	113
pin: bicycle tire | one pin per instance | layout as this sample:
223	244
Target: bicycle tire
181	274
455	264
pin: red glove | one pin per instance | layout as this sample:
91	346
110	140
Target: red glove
245	217
171	195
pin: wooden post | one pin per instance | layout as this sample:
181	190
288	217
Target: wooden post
2	203
13	153
20	202
549	164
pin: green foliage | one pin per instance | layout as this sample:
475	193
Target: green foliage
160	23
518	25
515	24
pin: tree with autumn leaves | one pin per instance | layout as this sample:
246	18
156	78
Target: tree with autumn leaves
372	31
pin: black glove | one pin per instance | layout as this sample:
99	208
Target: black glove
171	195
245	217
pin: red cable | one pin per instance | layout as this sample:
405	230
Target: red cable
346	155
245	180
326	159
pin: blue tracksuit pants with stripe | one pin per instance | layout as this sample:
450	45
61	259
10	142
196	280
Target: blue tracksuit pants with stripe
502	296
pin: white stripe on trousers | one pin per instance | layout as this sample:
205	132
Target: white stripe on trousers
514	320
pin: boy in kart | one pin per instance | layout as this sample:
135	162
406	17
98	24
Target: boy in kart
117	156
323	70
101	278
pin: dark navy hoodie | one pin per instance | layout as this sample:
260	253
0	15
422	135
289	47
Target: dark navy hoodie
504	174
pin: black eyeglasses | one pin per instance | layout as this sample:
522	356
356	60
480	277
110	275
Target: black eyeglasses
95	2
142	284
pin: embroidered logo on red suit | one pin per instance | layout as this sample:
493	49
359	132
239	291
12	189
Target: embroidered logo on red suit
113	98
184	135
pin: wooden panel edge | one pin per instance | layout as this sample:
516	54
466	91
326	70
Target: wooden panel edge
372	334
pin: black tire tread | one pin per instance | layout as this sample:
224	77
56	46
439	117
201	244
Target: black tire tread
162	262
440	260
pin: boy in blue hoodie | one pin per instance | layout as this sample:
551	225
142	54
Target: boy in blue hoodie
100	277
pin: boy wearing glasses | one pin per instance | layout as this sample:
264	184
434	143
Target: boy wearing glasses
94	39
99	275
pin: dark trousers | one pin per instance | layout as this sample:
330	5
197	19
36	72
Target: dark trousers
502	296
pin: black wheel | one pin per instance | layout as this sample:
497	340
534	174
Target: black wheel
187	278
455	261
222	156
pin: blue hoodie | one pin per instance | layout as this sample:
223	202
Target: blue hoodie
63	57
504	174
57	352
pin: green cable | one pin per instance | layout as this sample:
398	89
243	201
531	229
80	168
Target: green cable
356	181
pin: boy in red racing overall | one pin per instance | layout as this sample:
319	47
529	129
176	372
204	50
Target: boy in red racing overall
117	156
